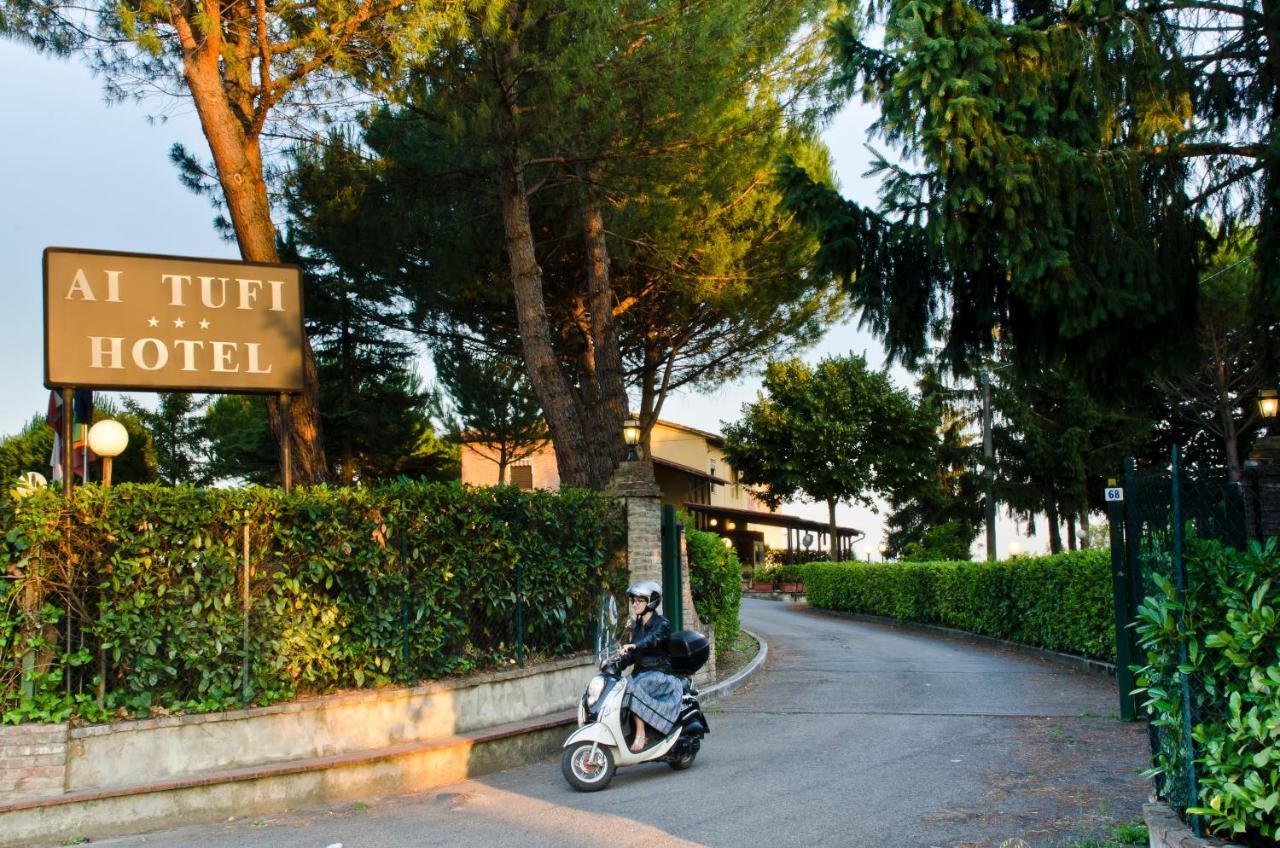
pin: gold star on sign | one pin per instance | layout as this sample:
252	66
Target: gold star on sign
204	325
179	323
152	322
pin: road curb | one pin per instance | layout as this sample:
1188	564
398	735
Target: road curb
725	687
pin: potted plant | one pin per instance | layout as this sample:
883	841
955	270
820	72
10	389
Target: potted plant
765	579
789	579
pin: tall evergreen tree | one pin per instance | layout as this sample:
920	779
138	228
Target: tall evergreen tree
177	437
706	272
240	445
1058	161
951	495
374	407
1218	393
1055	445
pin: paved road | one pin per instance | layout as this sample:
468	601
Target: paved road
854	734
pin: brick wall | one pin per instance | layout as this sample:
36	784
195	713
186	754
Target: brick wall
33	761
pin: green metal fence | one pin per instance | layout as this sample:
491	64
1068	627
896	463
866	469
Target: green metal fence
1160	508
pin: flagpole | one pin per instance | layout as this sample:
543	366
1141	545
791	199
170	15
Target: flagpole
68	413
286	437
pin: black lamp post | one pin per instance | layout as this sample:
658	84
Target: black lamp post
1268	403
631	435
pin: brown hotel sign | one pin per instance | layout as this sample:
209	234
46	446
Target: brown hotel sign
131	321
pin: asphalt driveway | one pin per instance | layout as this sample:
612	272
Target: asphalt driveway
853	734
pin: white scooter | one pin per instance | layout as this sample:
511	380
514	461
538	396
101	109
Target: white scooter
601	744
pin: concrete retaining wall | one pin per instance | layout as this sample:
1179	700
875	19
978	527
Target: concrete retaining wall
108	755
139	775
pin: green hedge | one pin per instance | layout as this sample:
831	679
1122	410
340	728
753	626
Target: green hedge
715	577
1228	629
1060	602
348	588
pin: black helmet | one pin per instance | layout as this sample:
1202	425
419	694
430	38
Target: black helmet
647	589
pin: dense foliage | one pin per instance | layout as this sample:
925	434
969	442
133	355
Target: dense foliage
1225	634
347	588
837	432
1060	602
715	581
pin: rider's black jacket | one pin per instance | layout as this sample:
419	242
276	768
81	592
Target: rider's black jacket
650	639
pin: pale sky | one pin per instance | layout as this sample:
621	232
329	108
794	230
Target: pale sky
75	172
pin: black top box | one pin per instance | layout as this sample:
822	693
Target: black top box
689	650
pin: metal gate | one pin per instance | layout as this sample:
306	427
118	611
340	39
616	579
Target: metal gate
1150	517
672	572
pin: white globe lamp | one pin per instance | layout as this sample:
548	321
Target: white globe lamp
108	439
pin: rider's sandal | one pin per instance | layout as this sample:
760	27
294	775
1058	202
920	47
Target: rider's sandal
638	745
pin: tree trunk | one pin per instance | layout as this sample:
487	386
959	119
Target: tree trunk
610	407
238	160
1084	526
831	513
545	375
1230	440
1071	532
1055	533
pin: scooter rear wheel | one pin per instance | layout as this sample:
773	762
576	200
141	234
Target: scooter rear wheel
683	762
585	772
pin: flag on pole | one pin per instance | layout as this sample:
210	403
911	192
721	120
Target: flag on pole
81	413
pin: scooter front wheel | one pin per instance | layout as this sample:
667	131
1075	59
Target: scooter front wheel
587	771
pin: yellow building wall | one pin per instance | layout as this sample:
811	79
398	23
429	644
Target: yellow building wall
673	443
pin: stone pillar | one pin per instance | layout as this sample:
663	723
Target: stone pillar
1262	487
634	483
33	761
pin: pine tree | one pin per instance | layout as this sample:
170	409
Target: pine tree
570	95
243	66
949	497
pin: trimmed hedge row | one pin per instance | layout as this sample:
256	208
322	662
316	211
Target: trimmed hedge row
715	578
1060	602
348	588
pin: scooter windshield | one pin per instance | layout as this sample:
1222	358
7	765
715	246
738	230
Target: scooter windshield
607	635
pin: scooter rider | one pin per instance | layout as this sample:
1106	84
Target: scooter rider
653	693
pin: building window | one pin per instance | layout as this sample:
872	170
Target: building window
521	476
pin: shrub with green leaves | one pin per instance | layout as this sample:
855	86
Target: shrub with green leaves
715	581
346	588
1228	628
1061	602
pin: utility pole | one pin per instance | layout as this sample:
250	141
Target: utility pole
988	464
